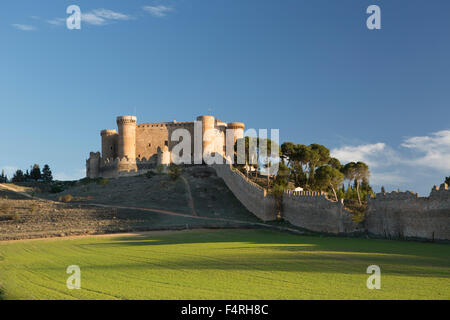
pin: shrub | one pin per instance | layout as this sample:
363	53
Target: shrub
67	198
103	182
159	169
174	172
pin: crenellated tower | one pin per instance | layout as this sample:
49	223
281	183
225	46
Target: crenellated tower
126	143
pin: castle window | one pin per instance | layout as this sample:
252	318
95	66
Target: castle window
166	143
149	145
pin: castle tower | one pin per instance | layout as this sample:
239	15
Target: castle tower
126	144
208	123
238	130
109	144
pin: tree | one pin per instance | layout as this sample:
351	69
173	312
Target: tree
383	190
47	174
327	176
3	177
447	180
361	173
282	178
318	156
26	176
18	176
35	173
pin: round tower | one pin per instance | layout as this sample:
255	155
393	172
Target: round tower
109	144
238	130
126	144
208	123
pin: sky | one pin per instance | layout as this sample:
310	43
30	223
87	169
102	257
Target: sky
311	69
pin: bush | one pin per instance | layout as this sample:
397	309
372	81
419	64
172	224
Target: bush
103	182
56	188
159	169
67	198
174	172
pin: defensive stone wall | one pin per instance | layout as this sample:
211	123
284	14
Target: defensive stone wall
309	210
251	195
405	215
315	212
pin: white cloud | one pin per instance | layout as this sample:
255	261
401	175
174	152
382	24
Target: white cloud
418	163
24	27
111	15
57	21
96	17
93	19
158	11
434	150
367	153
63	176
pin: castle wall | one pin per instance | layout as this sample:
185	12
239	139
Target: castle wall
404	214
313	211
151	136
251	195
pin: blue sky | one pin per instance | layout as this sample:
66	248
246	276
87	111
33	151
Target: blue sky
309	68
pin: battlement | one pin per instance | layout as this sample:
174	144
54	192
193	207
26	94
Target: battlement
94	155
441	192
310	194
108	132
126	120
395	195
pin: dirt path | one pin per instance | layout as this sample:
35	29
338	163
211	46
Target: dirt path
189	195
9	188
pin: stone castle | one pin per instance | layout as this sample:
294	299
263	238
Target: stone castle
136	148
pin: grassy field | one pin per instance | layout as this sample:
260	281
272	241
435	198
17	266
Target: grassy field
223	264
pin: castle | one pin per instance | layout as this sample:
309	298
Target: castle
136	148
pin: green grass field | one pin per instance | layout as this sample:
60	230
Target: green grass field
224	264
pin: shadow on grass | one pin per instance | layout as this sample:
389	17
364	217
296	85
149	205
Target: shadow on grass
291	252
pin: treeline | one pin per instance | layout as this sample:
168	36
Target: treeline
34	174
311	168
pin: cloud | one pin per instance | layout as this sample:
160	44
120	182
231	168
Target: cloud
24	27
368	153
418	162
434	150
76	175
57	21
158	11
96	17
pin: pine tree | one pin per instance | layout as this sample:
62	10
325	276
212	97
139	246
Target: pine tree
383	190
3	177
18	176
47	174
35	173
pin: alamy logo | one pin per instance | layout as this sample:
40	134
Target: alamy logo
74	281
73	22
374	20
374	281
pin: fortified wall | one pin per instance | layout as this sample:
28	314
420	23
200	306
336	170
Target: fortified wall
251	195
405	215
314	211
309	210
